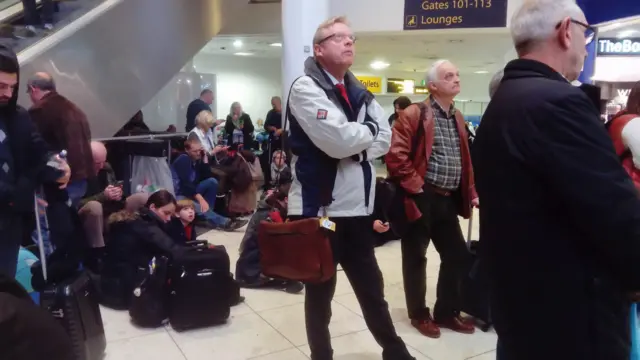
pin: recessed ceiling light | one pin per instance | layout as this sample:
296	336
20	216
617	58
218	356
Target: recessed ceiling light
276	44
627	33
481	72
243	54
237	43
379	65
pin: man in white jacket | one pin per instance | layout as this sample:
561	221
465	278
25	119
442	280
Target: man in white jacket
337	128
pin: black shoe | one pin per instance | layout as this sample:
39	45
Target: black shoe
294	287
234	225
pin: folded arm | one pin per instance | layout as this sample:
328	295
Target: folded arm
380	146
326	125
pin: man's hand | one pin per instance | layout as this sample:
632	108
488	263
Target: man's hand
64	179
204	205
475	202
279	132
113	193
380	227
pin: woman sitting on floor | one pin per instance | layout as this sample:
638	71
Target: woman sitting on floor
133	240
273	207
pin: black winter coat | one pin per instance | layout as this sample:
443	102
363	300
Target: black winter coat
131	245
247	131
559	221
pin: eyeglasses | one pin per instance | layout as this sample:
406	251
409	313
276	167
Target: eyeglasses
589	31
338	38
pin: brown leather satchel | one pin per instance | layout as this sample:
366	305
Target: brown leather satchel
296	250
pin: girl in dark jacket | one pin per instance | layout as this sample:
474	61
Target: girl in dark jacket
133	240
238	128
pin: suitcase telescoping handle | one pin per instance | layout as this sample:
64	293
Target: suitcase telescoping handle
470	228
62	155
43	254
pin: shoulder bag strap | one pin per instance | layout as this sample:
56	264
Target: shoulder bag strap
420	131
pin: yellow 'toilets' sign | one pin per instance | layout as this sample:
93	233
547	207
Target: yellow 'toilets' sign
372	83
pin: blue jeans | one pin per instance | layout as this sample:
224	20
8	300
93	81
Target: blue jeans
208	189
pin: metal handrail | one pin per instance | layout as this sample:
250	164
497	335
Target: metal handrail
142	137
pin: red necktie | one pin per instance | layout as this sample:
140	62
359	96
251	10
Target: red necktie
343	92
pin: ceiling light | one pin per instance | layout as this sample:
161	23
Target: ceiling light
243	54
481	72
237	43
627	33
379	65
276	44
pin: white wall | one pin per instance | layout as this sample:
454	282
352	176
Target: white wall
253	81
250	81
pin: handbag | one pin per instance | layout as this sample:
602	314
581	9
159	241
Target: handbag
298	249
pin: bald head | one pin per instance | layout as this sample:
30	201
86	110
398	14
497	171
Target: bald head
39	85
99	152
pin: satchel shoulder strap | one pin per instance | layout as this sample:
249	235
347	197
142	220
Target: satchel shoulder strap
424	112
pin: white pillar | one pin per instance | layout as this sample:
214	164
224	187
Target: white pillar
300	19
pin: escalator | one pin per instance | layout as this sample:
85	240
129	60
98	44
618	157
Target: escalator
111	57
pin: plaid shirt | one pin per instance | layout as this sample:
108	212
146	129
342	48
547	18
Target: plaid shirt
444	169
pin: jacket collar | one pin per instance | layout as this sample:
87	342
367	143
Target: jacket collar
313	69
52	94
526	68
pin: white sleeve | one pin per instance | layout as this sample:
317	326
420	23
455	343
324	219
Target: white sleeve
631	139
380	146
325	124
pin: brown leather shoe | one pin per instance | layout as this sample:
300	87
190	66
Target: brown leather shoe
427	328
458	324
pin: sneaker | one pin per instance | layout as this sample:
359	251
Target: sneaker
48	27
234	225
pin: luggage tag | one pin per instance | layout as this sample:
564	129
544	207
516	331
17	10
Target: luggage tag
327	224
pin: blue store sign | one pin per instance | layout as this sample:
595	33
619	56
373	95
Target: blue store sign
454	14
599	11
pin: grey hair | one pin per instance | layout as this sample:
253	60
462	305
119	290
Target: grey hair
235	103
495	82
432	74
319	34
42	81
536	21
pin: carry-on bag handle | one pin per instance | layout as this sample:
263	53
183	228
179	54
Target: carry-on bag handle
470	229
43	254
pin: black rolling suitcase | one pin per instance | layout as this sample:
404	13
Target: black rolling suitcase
201	287
475	287
74	303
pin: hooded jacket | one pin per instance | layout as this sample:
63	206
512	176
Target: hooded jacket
333	143
30	153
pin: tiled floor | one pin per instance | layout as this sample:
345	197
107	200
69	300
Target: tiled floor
270	325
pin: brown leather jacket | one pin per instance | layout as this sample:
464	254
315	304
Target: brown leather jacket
411	174
64	126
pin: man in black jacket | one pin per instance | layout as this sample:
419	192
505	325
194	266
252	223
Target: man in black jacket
559	217
196	106
23	164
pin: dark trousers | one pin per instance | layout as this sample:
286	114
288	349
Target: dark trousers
31	12
11	228
352	246
440	224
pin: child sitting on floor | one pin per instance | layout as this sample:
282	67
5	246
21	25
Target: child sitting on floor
182	227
